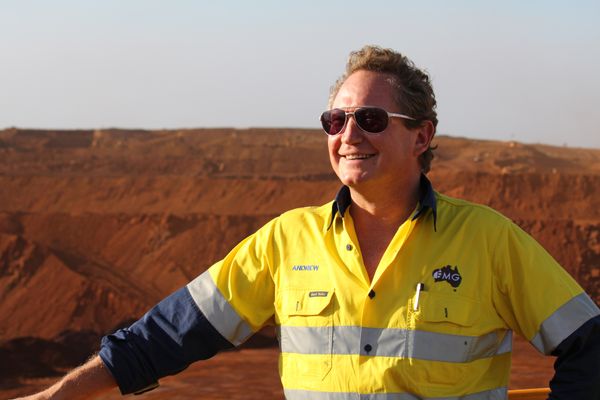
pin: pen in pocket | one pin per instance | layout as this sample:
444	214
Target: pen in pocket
420	287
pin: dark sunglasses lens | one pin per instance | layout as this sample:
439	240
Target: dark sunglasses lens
333	121
371	119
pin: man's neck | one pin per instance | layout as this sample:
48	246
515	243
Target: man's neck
388	207
377	215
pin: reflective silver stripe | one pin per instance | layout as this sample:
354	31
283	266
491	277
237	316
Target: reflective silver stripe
506	344
564	321
401	343
293	394
217	310
306	340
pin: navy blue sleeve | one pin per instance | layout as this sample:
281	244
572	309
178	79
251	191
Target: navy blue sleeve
577	367
163	342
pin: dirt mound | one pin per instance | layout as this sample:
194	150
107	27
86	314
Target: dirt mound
96	226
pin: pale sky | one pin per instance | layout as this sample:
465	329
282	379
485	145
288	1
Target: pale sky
504	70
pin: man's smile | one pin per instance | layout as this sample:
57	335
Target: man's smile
357	156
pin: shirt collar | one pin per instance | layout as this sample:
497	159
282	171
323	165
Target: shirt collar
426	201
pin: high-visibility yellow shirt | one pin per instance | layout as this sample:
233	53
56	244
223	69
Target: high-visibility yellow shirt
435	322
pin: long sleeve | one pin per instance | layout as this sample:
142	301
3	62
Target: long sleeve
166	340
540	301
219	309
577	375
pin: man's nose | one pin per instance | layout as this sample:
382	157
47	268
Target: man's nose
351	133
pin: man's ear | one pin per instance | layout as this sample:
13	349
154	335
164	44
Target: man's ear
424	137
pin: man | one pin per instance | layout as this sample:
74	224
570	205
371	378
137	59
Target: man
392	291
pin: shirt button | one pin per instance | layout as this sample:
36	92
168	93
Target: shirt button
371	294
348	247
368	348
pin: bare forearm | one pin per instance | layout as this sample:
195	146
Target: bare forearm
90	379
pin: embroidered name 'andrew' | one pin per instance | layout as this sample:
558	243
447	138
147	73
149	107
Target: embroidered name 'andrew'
305	268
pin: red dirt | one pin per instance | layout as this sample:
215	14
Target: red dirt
96	226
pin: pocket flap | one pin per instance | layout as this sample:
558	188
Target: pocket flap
437	307
306	301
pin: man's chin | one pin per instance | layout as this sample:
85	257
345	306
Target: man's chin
355	180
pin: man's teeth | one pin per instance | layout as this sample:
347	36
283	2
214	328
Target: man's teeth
357	156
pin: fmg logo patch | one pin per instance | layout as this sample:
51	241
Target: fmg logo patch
314	268
446	273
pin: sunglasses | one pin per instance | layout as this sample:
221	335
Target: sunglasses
369	119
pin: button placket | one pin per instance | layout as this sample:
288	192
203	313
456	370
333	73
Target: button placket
368	341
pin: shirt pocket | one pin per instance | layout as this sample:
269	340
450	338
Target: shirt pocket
306	329
443	330
456	310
